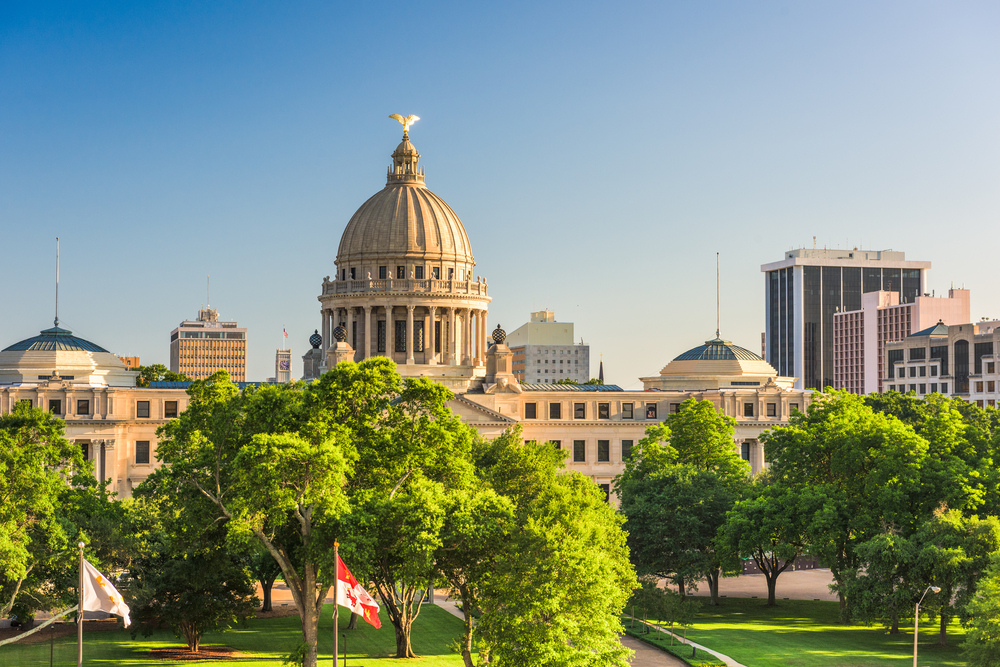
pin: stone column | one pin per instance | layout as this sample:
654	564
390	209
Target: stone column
390	333
325	328
409	334
430	355
368	331
350	325
449	341
467	338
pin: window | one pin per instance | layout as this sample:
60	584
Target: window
142	452
991	386
83	407
933	387
923	389
603	451
917	353
85	447
979	404
579	451
555	410
142	409
748	409
343	274
650	410
55	407
793	407
772	409
606	489
604	411
353	274
913	387
991	367
627	410
579	411
745	451
892	387
979	389
419	273
380	337
627	449
400	272
675	408
400	343
530	411
383	272
944	387
557	444
923	371
436	273
934	370
913	371
169	408
451	274
418	336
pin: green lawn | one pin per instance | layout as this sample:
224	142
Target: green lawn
806	633
266	640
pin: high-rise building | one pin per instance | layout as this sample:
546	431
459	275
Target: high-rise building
808	287
283	365
201	347
859	336
130	362
544	352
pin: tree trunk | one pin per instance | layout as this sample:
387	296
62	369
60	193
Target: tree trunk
265	587
772	585
353	623
403	649
943	636
680	587
192	636
894	630
467	639
713	585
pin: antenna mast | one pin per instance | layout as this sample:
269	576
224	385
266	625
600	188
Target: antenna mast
57	282
717	300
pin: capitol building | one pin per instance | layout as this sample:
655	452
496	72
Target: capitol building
404	286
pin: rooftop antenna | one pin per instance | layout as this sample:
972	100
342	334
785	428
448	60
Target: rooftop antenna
57	282
717	300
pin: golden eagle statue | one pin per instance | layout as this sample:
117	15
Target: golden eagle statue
406	121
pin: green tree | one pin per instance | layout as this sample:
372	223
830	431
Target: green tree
765	525
557	591
882	588
982	641
35	458
863	469
157	373
264	570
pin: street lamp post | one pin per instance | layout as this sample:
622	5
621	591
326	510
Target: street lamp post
916	621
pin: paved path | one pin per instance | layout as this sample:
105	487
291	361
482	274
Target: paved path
649	656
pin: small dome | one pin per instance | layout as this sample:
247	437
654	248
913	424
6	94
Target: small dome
54	339
718	350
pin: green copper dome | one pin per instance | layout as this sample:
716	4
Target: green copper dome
718	350
54	339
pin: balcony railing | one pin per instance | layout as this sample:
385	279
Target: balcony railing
428	286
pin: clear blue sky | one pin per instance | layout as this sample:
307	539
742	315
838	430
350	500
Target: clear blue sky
599	154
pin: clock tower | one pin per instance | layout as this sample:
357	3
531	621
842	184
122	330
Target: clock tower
283	365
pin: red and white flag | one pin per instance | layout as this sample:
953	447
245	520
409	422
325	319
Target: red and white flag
284	333
350	594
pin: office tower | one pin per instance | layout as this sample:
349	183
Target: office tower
201	347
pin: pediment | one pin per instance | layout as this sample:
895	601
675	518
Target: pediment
472	413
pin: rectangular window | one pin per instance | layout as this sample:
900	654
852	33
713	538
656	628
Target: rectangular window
627	410
913	371
579	451
923	371
918	353
55	407
991	367
944	387
400	338
142	452
419	273
933	387
343	274
418	336
923	389
793	407
748	409
436	272
650	410
400	272
83	407
991	386
142	409
627	449
383	272
579	411
913	387
85	448
979	387
603	451
934	371
892	387
437	337
557	444
675	408
381	336
604	411
530	411
606	490
892	356
451	274
169	409
745	451
555	410
772	409
353	274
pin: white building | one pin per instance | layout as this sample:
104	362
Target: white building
544	352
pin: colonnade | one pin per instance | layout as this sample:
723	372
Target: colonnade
463	332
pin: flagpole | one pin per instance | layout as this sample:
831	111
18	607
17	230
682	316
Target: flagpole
79	613
336	592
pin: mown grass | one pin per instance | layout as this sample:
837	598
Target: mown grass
808	633
265	641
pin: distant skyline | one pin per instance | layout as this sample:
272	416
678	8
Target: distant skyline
598	154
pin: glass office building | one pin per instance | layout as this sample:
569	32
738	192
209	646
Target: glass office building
804	291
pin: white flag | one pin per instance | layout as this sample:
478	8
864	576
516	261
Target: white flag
100	595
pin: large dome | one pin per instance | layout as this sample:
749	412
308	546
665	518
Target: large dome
718	357
54	339
405	224
57	351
